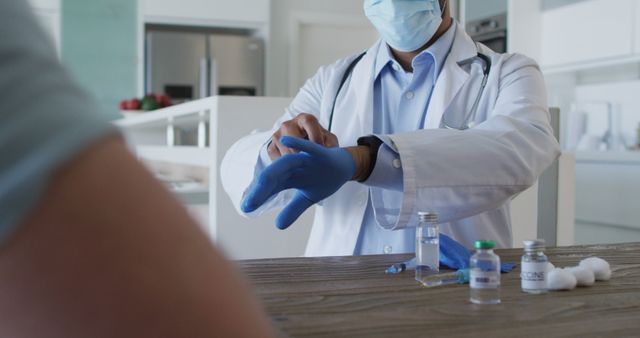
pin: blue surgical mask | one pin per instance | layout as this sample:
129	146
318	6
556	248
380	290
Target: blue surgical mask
405	25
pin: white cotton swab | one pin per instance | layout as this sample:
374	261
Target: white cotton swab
599	266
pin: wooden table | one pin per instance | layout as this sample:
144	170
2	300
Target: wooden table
352	297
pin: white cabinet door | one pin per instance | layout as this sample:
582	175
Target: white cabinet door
607	190
588	31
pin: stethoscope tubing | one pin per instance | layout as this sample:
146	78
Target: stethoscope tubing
485	76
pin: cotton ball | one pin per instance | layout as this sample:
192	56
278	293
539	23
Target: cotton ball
561	279
584	276
599	266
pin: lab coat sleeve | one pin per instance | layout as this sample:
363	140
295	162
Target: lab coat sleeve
459	174
243	162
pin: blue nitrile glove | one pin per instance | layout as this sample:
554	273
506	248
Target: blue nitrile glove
452	254
455	256
316	172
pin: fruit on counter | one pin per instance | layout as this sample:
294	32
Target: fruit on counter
149	102
164	100
133	104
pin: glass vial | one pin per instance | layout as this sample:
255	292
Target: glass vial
484	274
427	245
534	267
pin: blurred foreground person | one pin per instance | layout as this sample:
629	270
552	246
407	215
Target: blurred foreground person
90	244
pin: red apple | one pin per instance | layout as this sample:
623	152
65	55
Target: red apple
164	100
134	104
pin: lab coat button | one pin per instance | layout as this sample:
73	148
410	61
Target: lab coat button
409	95
396	163
395	67
387	249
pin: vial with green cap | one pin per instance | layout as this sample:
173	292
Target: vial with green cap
484	274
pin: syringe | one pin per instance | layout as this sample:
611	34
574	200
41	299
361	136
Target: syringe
460	276
455	277
401	267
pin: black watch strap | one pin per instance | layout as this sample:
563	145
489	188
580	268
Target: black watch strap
374	144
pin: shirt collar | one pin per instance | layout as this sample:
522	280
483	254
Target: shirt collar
439	51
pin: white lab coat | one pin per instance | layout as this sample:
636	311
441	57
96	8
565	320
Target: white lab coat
467	177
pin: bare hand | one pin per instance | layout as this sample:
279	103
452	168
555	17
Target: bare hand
304	126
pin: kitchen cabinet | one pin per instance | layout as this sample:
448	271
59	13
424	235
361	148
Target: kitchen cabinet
207	11
589	31
607	186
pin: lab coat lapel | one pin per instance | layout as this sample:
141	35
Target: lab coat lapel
354	112
451	79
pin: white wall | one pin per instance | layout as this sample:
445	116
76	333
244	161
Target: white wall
524	27
253	11
281	36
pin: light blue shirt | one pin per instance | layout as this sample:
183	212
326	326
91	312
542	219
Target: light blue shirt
400	105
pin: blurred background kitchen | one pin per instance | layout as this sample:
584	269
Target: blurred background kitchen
183	51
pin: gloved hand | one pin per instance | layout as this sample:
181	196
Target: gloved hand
316	172
452	254
455	256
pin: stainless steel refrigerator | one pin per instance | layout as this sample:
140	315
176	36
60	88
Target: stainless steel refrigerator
189	65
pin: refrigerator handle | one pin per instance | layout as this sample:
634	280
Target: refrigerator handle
203	78
213	77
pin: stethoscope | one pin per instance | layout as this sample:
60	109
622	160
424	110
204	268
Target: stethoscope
466	122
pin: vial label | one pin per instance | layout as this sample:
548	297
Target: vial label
479	279
534	275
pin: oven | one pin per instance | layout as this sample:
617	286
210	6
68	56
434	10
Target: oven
491	31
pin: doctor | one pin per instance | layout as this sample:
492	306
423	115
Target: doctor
424	120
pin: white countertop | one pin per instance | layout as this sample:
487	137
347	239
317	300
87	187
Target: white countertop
613	157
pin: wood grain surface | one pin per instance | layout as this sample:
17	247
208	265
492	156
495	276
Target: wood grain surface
352	297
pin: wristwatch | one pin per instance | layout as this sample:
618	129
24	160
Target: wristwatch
374	144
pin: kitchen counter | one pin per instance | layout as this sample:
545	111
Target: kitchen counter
607	187
352	297
613	157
